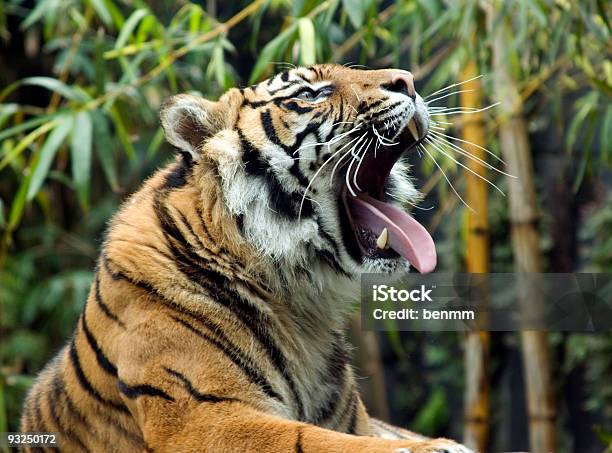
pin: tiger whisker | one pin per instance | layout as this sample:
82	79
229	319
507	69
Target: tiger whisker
438	108
314	177
362	158
421	146
382	139
442	122
384	110
469	155
473	144
347	178
446	88
438	148
414	205
448	109
356	95
462	110
352	66
448	94
290	159
355	158
451	109
328	143
284	63
376	148
361	137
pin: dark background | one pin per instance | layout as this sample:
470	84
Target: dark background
94	55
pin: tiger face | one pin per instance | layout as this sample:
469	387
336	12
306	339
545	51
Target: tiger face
309	165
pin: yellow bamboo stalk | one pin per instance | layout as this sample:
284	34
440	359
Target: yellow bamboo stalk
476	424
525	238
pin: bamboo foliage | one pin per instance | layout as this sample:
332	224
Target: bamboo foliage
476	426
65	164
525	238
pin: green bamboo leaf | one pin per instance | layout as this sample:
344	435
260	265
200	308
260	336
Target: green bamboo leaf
584	163
146	28
132	49
80	156
606	137
104	149
538	10
40	167
355	10
433	414
99	65
36	14
443	20
272	50
115	13
6	111
195	19
130	26
181	17
25	142
102	10
124	137
156	142
297	7
18	203
171	76
307	41
45	82
393	335
330	14
217	64
55	175
587	104
601	10
78	19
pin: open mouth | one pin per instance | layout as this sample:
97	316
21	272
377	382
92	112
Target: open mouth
374	228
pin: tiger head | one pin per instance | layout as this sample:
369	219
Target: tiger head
308	163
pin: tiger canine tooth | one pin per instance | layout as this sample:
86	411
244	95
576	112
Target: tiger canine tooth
383	239
412	127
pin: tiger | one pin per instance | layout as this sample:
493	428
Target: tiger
216	316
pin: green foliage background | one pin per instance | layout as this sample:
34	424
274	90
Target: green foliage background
81	82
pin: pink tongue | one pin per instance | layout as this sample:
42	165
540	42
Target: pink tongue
406	236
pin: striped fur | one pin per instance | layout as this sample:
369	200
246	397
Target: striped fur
215	319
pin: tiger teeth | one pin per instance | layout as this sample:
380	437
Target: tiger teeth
383	240
412	127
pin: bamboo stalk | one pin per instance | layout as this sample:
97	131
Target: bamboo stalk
370	365
525	238
476	358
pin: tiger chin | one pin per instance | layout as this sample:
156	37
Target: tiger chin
215	319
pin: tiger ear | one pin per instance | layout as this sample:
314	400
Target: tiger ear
189	120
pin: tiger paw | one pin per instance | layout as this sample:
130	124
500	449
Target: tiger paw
439	445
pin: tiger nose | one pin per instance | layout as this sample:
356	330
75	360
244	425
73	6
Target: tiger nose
403	82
